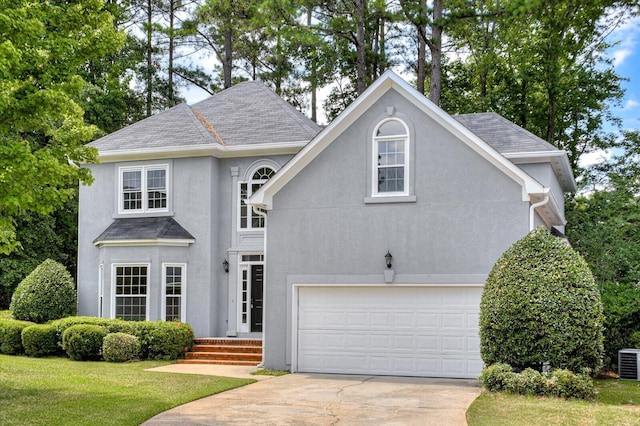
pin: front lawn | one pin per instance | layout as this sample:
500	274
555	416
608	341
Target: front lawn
58	391
617	403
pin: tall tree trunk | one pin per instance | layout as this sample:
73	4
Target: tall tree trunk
313	78
436	53
422	59
227	64
149	60
361	62
170	91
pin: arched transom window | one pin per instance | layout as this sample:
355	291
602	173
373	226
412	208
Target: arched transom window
248	218
391	158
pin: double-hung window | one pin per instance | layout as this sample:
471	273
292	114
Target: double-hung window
248	218
131	285
390	159
174	280
144	189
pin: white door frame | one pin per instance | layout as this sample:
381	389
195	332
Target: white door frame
245	265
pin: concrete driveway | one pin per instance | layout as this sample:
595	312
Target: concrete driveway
318	399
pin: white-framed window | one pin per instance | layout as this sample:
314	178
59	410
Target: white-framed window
130	290
248	219
144	189
174	280
390	171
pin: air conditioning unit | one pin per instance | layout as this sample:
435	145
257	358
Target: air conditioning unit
628	363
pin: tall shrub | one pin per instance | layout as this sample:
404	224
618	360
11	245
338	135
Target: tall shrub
540	305
46	294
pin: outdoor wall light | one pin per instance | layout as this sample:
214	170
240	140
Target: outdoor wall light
387	259
225	265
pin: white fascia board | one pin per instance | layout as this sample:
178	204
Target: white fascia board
559	161
264	196
215	150
146	242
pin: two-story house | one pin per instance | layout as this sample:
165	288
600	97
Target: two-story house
358	248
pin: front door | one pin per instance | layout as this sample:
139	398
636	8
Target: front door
256	297
251	290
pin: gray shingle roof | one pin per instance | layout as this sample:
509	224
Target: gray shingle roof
174	127
146	228
250	113
245	114
503	135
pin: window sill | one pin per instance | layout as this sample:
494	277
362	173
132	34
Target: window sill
391	199
142	214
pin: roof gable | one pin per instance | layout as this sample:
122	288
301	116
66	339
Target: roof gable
388	81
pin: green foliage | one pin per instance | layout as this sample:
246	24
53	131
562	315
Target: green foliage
83	342
635	340
541	305
120	347
169	340
558	383
47	293
42	128
11	336
40	340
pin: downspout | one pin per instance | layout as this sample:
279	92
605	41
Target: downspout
532	210
256	210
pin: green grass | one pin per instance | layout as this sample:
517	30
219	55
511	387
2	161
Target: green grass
617	403
269	372
58	391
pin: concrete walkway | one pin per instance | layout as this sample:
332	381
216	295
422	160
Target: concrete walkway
328	399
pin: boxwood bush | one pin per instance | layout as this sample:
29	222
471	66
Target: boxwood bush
46	293
40	340
540	305
120	347
558	383
11	336
83	342
169	340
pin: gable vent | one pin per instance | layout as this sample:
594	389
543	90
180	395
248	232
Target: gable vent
628	360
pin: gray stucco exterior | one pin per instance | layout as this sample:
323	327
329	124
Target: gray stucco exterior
472	191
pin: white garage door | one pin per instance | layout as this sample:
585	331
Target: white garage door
406	331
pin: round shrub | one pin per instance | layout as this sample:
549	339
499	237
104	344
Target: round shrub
11	336
540	305
120	347
83	342
40	340
47	293
168	340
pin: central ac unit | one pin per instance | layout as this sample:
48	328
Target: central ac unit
628	362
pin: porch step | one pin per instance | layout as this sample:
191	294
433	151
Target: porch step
224	352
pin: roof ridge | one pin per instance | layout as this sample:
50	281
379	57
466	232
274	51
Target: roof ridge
208	125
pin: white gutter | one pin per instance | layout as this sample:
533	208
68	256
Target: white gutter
532	209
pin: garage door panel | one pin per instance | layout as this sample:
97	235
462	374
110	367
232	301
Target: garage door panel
418	331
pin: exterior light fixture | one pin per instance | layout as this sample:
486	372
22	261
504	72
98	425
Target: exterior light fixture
387	259
225	265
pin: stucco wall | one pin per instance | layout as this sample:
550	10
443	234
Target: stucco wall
320	229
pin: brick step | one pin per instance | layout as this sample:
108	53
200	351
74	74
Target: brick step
223	356
227	342
227	349
217	362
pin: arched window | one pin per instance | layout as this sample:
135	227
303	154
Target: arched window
390	158
248	218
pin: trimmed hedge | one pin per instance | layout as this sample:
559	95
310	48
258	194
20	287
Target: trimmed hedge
541	305
120	347
169	340
11	336
83	342
558	383
158	340
40	340
46	294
